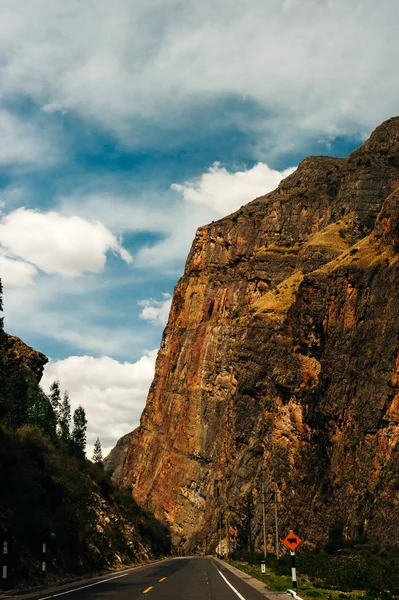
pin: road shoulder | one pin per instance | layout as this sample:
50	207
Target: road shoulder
55	588
255	583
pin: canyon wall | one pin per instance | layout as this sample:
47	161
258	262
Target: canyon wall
280	363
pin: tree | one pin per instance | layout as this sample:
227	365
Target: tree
97	454
40	411
17	400
64	418
79	428
55	398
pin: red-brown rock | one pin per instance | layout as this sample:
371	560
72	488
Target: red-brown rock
280	362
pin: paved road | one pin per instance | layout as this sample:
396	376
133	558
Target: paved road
176	579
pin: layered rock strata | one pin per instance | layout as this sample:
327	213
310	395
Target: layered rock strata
280	362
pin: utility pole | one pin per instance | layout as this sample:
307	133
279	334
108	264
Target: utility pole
264	522
220	534
276	521
249	529
228	530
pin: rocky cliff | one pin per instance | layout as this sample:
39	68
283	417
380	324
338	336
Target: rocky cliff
50	492
19	356
113	462
280	362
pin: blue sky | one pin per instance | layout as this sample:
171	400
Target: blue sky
126	125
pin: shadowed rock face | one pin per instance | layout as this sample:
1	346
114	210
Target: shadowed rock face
280	361
113	462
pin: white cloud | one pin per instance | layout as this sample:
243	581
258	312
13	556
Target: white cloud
57	244
225	192
177	213
15	273
53	107
312	65
166	214
76	317
205	198
156	310
24	143
112	393
12	196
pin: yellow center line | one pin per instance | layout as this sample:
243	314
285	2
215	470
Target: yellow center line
148	589
163	579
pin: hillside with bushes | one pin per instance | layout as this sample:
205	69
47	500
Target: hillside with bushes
50	493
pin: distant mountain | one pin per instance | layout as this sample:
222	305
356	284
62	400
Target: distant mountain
280	363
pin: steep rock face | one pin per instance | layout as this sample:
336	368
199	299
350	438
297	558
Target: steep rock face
113	462
280	361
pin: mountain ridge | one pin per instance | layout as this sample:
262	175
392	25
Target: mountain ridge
279	362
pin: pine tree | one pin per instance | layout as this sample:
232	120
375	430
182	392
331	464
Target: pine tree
97	453
17	400
79	428
55	398
40	411
64	418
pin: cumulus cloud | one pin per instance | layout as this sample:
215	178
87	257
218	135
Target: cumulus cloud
177	214
77	318
225	192
57	244
113	393
16	273
311	64
205	198
156	310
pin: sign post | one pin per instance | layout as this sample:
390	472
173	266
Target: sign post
44	562
292	542
263	566
4	569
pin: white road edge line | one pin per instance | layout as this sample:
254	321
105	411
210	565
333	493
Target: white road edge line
84	587
229	584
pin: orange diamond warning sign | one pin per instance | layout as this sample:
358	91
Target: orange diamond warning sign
292	541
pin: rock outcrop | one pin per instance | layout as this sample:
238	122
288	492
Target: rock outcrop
280	362
114	461
20	356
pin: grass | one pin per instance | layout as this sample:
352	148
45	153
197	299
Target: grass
366	253
332	236
306	589
276	303
273	249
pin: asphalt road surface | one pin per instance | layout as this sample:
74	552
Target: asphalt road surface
176	579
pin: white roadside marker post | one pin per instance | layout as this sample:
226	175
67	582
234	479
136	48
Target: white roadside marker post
263	563
293	570
44	564
4	561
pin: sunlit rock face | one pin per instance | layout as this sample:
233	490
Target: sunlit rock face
280	362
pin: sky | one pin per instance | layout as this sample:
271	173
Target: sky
127	124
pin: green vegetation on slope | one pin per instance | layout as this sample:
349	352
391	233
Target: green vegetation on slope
50	493
366	571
